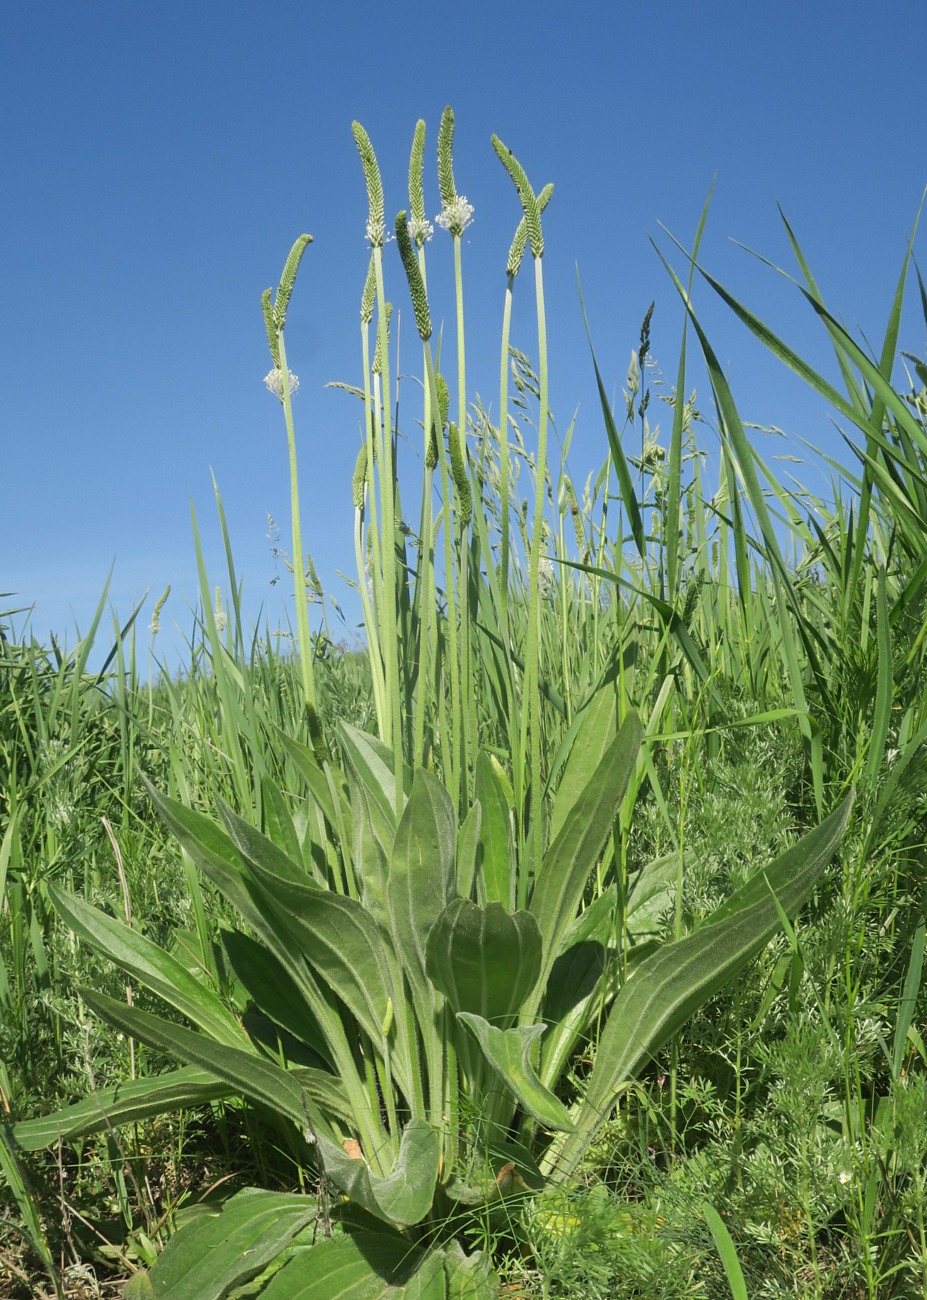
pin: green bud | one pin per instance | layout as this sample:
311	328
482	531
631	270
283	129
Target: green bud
271	326
416	167
459	474
379	358
359	481
529	201
288	279
446	186
519	243
369	294
577	517
444	398
414	277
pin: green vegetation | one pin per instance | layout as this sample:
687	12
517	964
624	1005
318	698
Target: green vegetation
567	940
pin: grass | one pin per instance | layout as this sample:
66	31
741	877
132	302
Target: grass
772	643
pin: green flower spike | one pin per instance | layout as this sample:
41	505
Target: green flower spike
520	242
529	200
420	228
456	212
414	276
444	398
370	292
459	474
574	511
275	309
376	221
446	186
359	481
378	358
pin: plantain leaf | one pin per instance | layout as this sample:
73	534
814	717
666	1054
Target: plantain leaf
421	874
406	1194
468	850
150	965
336	935
255	848
596	731
569	861
509	1053
278	823
363	1266
371	764
484	960
273	990
215	1253
496	883
575	989
289	1093
127	1103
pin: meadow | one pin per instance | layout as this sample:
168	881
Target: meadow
566	938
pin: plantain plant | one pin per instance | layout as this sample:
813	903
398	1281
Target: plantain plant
410	1030
417	957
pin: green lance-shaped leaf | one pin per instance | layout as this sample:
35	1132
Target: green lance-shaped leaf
256	848
323	791
127	1103
520	242
575	987
483	959
217	1253
376	221
406	1194
569	861
150	965
421	874
469	1277
362	1266
459	474
496	882
274	992
370	764
667	987
291	1093
278	821
526	194
416	168
337	935
446	186
468	850
509	1053
414	277
597	730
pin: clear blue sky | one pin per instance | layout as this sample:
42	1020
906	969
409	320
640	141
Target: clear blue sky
159	160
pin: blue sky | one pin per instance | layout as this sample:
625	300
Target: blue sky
159	160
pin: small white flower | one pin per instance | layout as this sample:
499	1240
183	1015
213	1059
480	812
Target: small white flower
273	381
845	1177
376	234
420	231
456	216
